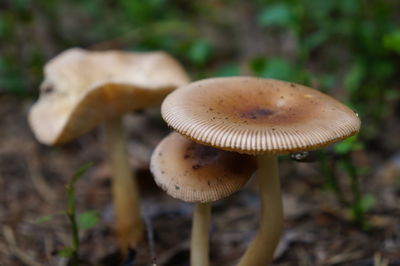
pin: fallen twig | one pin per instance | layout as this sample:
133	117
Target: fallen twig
15	250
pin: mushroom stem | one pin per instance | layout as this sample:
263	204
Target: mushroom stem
125	192
200	235
261	250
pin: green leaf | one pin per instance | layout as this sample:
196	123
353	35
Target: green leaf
258	64
87	220
228	70
349	7
367	202
347	145
22	4
364	170
315	40
342	147
66	252
383	69
276	15
80	172
391	41
327	80
3	26
278	68
200	51
142	11
354	77
47	218
91	7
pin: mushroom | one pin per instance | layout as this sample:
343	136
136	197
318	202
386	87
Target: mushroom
201	174
265	118
83	89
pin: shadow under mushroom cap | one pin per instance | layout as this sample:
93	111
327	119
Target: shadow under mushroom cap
253	115
197	173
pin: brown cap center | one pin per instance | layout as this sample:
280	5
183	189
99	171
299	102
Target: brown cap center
257	113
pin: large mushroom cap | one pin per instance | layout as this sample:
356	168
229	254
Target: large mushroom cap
82	88
197	173
254	115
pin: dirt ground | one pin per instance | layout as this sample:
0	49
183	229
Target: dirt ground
318	230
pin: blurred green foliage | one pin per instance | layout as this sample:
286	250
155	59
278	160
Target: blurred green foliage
353	42
349	48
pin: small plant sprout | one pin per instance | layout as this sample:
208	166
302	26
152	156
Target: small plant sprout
83	89
82	221
71	214
200	174
265	118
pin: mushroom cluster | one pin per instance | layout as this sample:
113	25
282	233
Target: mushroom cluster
83	89
260	117
226	129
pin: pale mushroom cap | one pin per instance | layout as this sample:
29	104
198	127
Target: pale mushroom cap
194	172
81	89
255	116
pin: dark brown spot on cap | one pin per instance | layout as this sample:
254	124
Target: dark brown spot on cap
196	166
257	113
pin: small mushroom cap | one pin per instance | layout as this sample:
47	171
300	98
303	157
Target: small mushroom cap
194	172
255	116
81	89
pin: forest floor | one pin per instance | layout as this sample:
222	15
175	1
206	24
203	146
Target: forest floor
318	230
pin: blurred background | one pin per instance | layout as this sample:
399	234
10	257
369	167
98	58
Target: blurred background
343	208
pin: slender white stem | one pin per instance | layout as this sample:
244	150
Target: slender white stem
129	227
200	235
261	250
